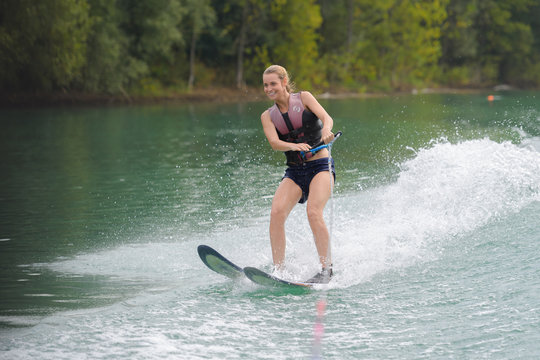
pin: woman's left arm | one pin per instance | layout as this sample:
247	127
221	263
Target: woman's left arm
313	105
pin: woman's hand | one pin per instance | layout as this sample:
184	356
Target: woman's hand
300	147
327	135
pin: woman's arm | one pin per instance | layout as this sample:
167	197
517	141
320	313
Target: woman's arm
313	105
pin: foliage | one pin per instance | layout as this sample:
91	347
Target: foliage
109	66
42	44
131	46
295	40
397	42
492	40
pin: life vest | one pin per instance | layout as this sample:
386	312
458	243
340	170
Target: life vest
298	125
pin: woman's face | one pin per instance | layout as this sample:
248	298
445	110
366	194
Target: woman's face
273	85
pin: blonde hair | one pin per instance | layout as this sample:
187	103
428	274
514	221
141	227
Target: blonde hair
282	74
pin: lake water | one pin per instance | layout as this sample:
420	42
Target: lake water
434	227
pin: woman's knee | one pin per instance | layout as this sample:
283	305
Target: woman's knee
278	213
314	213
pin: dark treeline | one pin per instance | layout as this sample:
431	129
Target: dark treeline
153	47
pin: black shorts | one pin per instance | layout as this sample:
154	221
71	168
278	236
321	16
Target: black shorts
303	174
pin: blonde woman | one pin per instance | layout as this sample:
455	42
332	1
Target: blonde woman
295	124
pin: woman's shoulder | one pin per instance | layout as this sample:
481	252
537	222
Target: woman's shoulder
307	98
266	114
304	94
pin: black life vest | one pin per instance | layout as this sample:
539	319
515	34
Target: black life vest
298	125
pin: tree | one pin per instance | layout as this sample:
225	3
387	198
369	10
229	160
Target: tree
504	42
42	44
109	66
295	44
153	30
242	46
488	41
151	46
200	15
242	28
337	41
398	41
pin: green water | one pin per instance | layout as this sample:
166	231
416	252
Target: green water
434	232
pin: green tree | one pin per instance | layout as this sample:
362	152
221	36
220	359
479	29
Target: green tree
152	26
459	41
153	30
242	27
109	66
200	15
488	41
385	45
529	75
336	41
398	42
151	46
504	42
42	44
295	41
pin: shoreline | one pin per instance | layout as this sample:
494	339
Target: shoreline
214	95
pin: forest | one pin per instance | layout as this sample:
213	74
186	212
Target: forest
157	47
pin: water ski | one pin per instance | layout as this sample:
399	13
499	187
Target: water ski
265	279
218	263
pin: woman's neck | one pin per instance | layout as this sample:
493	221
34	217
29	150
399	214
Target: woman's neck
283	102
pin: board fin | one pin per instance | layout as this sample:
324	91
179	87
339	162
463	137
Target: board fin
219	263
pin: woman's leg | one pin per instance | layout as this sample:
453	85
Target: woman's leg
320	190
287	195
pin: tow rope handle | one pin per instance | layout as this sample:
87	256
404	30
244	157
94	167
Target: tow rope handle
320	146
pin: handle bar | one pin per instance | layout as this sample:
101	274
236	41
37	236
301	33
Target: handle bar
321	146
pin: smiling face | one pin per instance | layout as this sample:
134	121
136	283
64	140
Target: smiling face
274	87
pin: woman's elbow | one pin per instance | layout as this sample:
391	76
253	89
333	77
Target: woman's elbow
275	145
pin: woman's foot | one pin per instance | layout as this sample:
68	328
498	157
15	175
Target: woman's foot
323	277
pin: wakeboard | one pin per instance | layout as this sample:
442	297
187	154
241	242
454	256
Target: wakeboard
262	278
219	263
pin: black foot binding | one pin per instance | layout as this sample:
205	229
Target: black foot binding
322	277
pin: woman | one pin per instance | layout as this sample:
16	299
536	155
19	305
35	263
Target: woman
295	124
